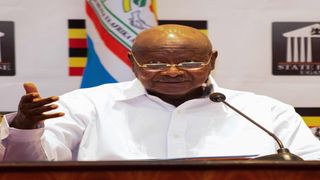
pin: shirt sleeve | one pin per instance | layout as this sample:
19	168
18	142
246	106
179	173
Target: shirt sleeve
20	145
58	140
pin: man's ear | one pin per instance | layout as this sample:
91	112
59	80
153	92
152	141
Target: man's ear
130	57
213	58
131	60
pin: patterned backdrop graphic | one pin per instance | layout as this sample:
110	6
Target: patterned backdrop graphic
111	29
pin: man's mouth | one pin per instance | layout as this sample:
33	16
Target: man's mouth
172	81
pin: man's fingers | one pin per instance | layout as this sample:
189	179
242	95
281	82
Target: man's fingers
37	102
29	97
29	87
29	102
43	117
32	121
41	109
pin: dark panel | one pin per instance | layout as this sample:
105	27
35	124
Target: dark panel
78	52
198	24
308	111
7	51
76	23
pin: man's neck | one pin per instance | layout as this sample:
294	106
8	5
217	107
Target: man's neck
177	100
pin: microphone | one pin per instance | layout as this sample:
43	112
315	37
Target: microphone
282	153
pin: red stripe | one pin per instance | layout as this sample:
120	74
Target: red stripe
77	43
115	46
76	71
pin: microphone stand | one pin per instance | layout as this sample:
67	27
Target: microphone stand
283	154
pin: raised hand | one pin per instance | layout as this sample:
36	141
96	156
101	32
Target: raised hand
33	109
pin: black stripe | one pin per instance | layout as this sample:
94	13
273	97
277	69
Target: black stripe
308	111
77	52
198	24
76	23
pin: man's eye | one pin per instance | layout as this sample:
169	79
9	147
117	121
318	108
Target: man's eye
156	65
190	64
155	62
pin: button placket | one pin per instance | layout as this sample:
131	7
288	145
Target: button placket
176	135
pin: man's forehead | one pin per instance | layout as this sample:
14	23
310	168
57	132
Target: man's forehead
171	36
171	49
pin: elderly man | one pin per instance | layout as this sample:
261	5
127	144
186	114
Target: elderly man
165	113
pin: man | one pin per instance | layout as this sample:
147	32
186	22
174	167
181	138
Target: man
165	113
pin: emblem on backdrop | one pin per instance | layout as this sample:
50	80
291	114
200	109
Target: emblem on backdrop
296	48
7	56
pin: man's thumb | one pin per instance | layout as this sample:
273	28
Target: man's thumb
29	87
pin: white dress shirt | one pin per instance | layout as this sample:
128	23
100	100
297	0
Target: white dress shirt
121	122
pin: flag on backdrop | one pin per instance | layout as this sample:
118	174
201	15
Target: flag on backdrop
112	26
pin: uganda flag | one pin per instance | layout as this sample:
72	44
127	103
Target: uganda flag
77	46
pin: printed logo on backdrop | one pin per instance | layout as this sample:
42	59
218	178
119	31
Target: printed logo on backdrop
116	24
296	48
135	19
7	56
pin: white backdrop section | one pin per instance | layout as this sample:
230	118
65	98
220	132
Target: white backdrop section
41	46
240	31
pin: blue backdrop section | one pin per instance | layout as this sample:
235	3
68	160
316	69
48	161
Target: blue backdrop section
94	73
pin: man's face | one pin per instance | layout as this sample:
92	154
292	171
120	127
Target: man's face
173	80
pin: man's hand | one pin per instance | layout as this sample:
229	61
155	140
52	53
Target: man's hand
32	109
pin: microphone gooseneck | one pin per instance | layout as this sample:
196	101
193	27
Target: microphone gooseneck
283	153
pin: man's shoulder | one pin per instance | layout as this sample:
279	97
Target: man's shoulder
111	87
239	96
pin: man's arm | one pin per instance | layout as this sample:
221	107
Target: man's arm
21	132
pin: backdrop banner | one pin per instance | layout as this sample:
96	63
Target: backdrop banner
111	28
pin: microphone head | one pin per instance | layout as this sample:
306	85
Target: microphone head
217	97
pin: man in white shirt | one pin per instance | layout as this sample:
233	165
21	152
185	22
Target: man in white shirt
165	113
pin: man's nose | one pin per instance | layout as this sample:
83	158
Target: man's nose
172	71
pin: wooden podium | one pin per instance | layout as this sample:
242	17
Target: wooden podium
162	169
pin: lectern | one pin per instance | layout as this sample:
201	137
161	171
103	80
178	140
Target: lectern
162	169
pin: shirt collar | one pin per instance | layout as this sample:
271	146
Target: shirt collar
135	88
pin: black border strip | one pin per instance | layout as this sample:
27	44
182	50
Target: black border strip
77	52
311	111
76	23
198	24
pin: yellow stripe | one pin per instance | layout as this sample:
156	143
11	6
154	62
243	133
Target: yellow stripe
312	120
126	5
77	61
204	31
154	7
77	33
